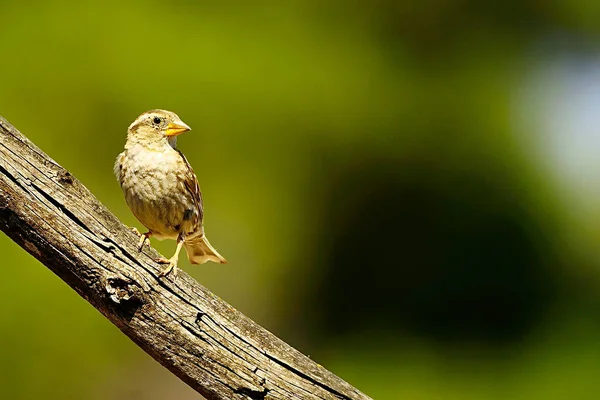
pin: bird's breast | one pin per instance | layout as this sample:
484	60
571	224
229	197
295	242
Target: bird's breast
154	188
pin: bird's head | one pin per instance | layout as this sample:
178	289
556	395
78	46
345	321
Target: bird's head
156	127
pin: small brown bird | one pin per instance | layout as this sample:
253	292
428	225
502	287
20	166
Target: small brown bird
161	188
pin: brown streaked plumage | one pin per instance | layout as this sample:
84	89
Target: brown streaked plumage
161	188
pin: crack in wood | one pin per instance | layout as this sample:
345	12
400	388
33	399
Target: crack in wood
253	394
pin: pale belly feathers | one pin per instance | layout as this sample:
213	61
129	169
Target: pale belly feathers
155	193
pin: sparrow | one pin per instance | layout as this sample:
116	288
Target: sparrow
161	188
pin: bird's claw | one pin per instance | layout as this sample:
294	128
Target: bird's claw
171	268
142	242
143	237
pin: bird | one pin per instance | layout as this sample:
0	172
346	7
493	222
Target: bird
161	188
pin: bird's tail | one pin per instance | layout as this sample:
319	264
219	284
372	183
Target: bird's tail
200	251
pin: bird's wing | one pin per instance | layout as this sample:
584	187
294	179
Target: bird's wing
191	184
118	166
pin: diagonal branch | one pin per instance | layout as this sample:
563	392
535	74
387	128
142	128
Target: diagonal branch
212	347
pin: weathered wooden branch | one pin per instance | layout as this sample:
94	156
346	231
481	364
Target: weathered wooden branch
203	340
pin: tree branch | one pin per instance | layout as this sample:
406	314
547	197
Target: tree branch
209	345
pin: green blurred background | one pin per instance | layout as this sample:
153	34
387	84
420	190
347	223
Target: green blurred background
405	191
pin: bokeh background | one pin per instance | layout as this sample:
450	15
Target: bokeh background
409	192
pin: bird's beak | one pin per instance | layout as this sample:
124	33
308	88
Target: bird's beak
176	128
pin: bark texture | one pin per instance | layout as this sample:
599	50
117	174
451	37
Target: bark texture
197	336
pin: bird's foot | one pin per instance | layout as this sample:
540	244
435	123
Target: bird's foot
171	268
143	237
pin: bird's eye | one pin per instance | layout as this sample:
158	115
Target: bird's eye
156	120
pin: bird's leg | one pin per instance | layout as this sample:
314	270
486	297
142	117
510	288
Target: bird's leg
172	261
143	237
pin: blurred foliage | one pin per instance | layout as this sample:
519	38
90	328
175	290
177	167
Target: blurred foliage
364	170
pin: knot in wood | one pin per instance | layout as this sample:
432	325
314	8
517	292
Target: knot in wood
65	177
121	290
